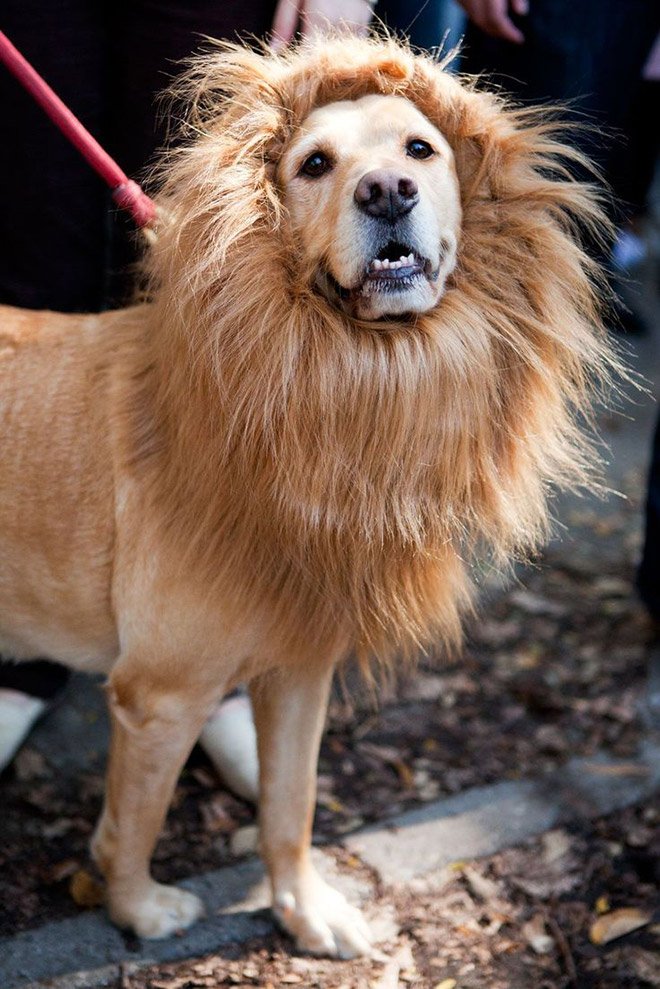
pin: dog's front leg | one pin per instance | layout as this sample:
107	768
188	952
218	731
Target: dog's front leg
152	733
289	714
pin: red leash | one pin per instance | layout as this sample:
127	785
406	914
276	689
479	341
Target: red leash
126	193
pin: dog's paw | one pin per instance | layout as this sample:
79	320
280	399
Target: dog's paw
322	922
158	912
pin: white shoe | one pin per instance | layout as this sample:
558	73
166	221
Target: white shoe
229	739
18	713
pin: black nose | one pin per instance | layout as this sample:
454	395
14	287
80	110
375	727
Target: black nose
386	195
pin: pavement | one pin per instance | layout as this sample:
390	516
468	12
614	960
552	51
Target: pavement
86	951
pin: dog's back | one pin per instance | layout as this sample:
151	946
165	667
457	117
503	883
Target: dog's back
56	497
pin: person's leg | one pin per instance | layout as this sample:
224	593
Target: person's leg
52	205
149	44
229	739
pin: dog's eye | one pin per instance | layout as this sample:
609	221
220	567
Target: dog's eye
316	165
419	149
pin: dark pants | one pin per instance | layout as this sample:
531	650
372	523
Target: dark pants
588	52
61	246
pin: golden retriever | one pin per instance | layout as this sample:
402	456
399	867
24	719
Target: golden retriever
370	334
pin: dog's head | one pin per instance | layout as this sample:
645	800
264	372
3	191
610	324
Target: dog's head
372	194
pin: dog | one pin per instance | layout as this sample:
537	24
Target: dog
370	338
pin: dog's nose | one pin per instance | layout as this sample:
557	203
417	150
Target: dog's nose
386	195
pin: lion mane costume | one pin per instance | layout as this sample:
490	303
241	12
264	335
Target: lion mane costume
351	471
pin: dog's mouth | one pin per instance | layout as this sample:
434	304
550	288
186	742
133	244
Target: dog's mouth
394	268
397	267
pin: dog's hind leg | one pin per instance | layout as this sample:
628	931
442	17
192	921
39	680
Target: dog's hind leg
153	731
289	715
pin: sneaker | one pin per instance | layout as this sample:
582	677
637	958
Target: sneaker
229	739
18	713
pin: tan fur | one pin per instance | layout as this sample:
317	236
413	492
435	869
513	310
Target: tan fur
238	478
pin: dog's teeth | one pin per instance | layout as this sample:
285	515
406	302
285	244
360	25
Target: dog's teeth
376	265
410	259
385	263
404	260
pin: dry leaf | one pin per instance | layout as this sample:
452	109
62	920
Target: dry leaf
85	890
405	774
446	984
618	923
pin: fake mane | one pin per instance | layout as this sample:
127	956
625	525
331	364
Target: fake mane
349	474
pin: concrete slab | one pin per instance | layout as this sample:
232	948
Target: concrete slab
487	819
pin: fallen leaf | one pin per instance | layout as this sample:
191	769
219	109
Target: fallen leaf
85	890
602	905
446	984
617	924
405	774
